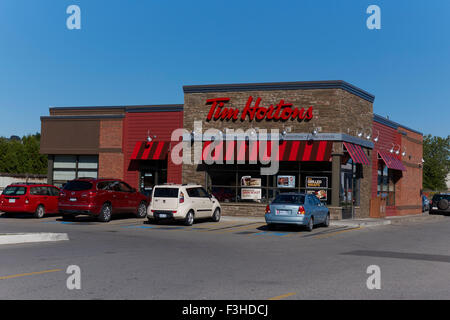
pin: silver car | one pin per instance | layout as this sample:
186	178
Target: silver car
297	209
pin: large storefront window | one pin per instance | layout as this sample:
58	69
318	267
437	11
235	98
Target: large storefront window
69	167
244	183
386	183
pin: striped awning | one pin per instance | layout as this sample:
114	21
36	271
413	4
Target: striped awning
155	150
392	162
357	153
250	150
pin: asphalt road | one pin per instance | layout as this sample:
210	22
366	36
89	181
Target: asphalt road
128	259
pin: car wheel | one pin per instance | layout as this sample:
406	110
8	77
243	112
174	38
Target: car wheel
189	219
310	225
216	215
105	213
40	212
327	221
141	210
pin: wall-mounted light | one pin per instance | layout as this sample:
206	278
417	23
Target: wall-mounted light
404	152
377	137
315	132
149	138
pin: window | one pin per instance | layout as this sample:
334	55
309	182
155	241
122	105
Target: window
166	193
244	182
14	191
39	191
125	187
77	186
386	183
286	198
70	167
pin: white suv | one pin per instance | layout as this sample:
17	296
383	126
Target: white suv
183	202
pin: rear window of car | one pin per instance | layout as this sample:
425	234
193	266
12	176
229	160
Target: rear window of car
78	185
289	198
166	193
14	191
439	197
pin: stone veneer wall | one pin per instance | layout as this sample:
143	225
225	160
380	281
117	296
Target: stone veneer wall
335	111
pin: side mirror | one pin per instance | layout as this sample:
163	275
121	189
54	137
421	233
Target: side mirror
134	190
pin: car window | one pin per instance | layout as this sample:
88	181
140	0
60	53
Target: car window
103	185
14	191
54	191
77	185
439	197
39	191
166	193
203	193
289	198
192	192
125	187
115	186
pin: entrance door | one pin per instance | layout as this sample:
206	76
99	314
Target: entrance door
148	180
347	191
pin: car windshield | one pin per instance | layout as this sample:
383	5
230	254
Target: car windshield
289	198
166	193
439	197
78	185
14	191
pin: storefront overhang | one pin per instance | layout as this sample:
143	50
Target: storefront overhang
155	150
391	161
357	153
251	151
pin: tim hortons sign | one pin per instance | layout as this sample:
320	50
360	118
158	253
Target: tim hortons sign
282	111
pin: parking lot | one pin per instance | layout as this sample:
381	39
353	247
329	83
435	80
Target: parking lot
129	258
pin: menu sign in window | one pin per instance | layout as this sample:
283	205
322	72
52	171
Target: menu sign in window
319	186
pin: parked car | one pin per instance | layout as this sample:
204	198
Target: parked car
297	209
38	199
100	198
185	202
440	203
425	203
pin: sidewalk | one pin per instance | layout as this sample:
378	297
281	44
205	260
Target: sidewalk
365	222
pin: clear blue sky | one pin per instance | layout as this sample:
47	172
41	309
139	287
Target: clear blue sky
143	52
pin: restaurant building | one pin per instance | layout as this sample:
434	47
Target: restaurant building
323	137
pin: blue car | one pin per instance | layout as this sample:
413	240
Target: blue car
297	209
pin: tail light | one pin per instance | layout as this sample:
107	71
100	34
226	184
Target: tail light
181	197
301	210
62	194
268	209
92	194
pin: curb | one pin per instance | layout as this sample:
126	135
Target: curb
15	238
360	223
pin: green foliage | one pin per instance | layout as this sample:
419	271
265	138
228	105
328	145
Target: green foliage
436	153
22	156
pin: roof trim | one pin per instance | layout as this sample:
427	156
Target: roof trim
270	86
81	117
127	108
392	124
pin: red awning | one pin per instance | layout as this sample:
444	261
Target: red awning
357	153
155	150
392	162
249	150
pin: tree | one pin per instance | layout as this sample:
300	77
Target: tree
22	156
436	154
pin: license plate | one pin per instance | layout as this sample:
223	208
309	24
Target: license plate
73	199
163	215
12	200
434	208
282	212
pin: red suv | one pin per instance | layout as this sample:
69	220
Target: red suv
32	198
100	198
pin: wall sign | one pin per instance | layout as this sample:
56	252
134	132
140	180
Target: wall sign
282	111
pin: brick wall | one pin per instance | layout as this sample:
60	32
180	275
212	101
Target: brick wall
110	149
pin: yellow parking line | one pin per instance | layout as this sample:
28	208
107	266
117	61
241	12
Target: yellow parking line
334	233
283	296
28	274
